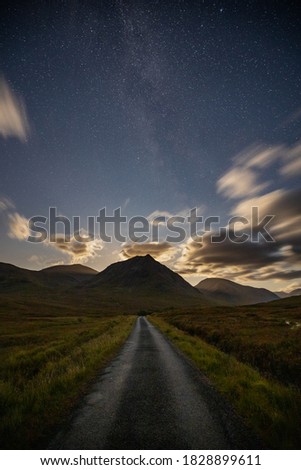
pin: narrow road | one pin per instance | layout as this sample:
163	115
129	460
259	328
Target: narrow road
151	397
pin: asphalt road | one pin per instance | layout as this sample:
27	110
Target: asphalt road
151	397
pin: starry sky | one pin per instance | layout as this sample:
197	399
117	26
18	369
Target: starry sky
156	107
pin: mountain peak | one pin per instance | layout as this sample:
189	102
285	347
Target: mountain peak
147	257
144	277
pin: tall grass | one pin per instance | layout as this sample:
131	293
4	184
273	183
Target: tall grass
267	336
272	410
45	364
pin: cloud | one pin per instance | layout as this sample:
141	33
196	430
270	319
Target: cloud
155	216
276	274
6	204
79	252
18	226
247	261
284	205
223	259
246	176
292	167
162	251
41	261
13	118
293	286
256	260
126	203
259	156
238	182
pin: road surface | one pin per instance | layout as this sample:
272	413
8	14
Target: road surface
151	397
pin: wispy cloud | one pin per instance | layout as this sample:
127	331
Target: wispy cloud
292	166
246	181
78	252
162	251
157	217
18	226
126	203
240	181
293	286
246	176
13	117
260	156
6	204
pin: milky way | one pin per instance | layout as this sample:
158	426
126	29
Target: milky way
146	105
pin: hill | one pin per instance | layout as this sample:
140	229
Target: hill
13	278
66	275
231	293
136	285
145	279
293	293
70	268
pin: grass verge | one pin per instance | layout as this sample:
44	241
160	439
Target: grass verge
272	410
266	336
45	365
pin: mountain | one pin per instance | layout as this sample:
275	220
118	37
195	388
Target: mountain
76	269
293	293
137	284
286	305
13	278
145	279
231	293
66	274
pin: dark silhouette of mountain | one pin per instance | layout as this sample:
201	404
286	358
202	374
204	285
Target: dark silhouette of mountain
140	283
231	293
67	274
70	269
12	277
293	302
15	278
143	277
292	293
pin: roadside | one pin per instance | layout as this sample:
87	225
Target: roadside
272	410
47	364
151	397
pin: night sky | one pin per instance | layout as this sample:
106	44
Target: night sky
155	107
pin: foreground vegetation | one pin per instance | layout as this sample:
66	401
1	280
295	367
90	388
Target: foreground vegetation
50	352
271	409
45	365
265	336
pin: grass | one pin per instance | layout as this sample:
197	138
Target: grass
45	364
50	351
271	409
266	336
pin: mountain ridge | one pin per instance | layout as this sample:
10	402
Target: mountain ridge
68	268
139	280
143	276
232	293
292	293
